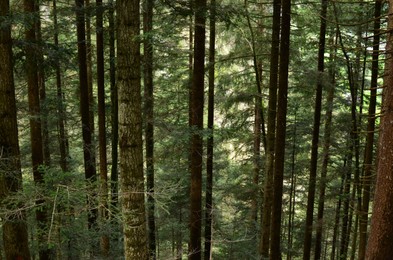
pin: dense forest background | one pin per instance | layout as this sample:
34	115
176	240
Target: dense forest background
221	129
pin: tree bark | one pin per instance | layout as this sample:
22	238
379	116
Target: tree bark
279	149
315	136
130	129
368	151
210	139
380	243
15	237
104	243
197	98
149	122
88	149
271	131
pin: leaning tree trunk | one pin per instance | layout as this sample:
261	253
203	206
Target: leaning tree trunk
15	237
130	129
279	148
380	243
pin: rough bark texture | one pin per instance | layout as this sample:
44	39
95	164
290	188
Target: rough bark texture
149	118
279	149
315	137
368	156
130	130
271	131
197	98
380	243
210	140
15	237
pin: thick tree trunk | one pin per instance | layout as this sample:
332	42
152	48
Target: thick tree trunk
15	237
271	131
380	243
130	129
35	120
197	98
149	122
279	149
315	136
368	151
210	140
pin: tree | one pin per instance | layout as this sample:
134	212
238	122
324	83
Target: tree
279	149
15	237
149	118
368	152
102	124
130	129
271	131
380	243
315	138
210	140
196	123
88	148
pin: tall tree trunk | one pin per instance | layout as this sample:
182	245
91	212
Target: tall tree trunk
42	88
15	237
210	139
149	119
324	167
271	131
88	149
380	243
368	151
35	121
61	111
197	98
130	129
114	106
279	148
315	135
102	126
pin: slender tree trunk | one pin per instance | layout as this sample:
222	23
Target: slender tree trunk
130	129
271	131
210	140
315	136
279	148
368	151
324	169
42	88
337	221
114	106
292	193
61	112
197	98
380	243
15	237
149	118
88	149
104	244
